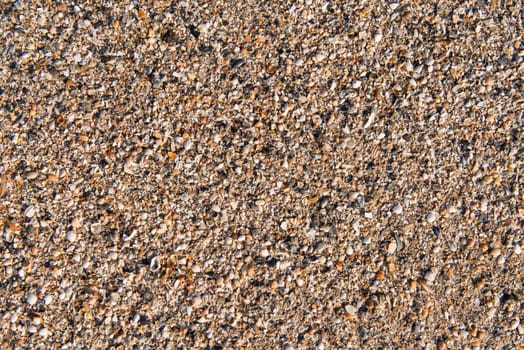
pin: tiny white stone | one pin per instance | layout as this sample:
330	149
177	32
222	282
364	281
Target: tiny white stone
216	208
30	211
31	329
32	299
68	293
300	282
349	250
14	318
430	276
311	234
135	319
71	236
350	309
392	247
154	266
195	268
397	209
355	226
44	333
366	240
501	260
283	225
517	249
319	57
264	253
284	264
96	228
197	301
48	299
77	58
431	217
378	37
357	84
41	20
204	27
484	205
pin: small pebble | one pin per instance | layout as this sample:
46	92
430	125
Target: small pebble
355	226
44	332
264	253
392	247
484	205
96	228
30	211
431	217
197	301
430	276
31	329
397	209
366	240
32	299
501	260
71	236
154	266
350	309
495	252
37	320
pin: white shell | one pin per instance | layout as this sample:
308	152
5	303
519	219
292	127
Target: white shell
32	299
431	217
30	211
397	209
154	266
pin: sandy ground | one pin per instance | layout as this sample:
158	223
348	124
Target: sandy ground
261	175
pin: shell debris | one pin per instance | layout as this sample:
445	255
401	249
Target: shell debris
261	174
